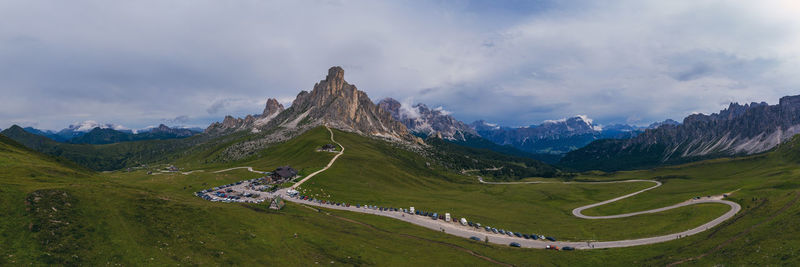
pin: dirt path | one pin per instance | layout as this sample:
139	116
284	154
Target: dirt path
236	168
326	167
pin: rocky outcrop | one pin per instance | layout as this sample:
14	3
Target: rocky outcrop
249	122
332	102
422	120
338	104
738	130
272	108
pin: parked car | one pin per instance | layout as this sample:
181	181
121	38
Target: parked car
567	248
518	234
475	238
551	247
514	244
550	238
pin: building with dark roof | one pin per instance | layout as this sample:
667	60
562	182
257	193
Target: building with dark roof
329	147
283	173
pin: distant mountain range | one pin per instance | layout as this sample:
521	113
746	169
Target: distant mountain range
430	123
554	136
738	130
91	132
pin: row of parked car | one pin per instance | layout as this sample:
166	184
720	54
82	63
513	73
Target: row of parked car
320	201
446	217
517	245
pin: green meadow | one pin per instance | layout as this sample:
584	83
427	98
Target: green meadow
58	213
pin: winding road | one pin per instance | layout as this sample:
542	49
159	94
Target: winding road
467	232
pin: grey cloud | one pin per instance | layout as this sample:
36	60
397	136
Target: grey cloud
695	71
516	62
182	119
217	106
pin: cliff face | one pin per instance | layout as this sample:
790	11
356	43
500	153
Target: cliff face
738	130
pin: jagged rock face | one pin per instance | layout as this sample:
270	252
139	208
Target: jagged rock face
249	122
737	130
272	108
341	105
426	121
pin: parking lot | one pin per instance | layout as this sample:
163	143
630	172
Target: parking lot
247	191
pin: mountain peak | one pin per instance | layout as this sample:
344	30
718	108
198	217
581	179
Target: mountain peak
332	102
272	108
335	73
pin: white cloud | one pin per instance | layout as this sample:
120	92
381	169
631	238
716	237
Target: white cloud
407	109
442	110
585	118
555	121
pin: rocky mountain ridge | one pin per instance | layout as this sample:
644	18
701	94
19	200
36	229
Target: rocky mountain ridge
332	102
422	120
249	122
737	130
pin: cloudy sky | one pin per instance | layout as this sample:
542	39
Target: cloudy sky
140	63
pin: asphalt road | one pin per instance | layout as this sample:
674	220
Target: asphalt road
457	229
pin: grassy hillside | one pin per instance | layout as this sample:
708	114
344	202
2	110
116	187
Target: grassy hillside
765	185
103	157
374	172
139	219
487	163
484	144
613	155
68	217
